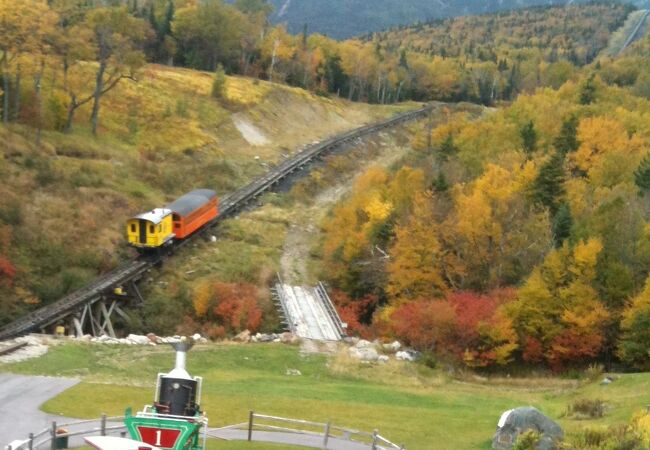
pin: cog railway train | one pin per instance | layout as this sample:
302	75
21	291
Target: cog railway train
160	227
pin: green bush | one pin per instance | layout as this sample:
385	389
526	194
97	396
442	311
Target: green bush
219	83
585	408
527	440
619	437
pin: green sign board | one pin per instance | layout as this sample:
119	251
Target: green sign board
163	431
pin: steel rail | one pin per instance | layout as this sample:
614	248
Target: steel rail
229	205
632	36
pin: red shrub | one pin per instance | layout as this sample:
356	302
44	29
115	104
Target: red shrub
533	350
354	312
571	346
473	309
7	271
425	324
237	306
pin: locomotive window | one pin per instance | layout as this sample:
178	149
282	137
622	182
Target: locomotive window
132	228
159	228
152	229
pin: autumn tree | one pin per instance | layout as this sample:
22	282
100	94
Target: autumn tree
494	234
558	314
118	36
24	27
208	34
415	269
112	37
634	345
608	154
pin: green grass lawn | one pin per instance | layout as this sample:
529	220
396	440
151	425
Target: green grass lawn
408	403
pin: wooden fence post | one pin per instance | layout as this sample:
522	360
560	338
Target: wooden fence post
327	434
103	425
374	439
30	446
250	426
53	442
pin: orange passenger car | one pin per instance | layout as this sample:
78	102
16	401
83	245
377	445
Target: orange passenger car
192	211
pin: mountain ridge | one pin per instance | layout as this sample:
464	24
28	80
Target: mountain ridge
346	18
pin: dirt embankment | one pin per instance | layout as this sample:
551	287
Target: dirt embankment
296	262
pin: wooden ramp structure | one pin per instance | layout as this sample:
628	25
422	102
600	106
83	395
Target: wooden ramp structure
309	312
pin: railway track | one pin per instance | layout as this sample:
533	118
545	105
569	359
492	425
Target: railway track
633	35
229	206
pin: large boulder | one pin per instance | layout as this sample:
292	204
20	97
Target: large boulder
519	420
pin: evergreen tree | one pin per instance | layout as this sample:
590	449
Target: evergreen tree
642	175
562	223
166	26
588	91
528	138
567	140
219	83
440	184
447	148
548	187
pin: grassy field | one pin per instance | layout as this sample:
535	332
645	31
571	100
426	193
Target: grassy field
408	403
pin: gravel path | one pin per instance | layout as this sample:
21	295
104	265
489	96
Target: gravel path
20	399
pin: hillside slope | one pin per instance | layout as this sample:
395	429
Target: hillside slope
63	203
346	18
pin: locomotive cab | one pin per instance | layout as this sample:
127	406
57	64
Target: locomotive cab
150	230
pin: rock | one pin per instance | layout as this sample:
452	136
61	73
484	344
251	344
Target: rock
288	338
362	343
152	338
351	340
293	372
196	337
213	239
244	336
137	339
364	353
516	421
265	337
407	355
383	359
392	347
606	381
277	340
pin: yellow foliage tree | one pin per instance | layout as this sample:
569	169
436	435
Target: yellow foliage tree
202	298
415	267
608	154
